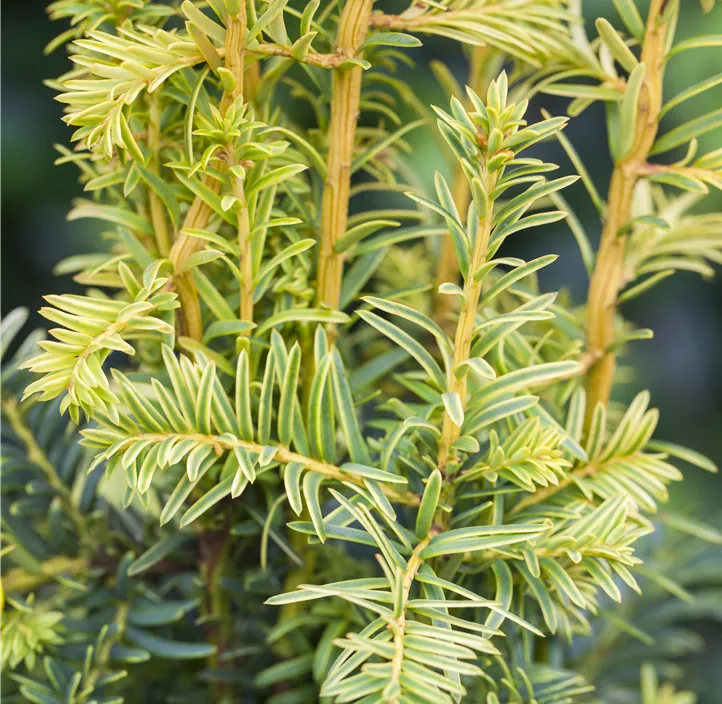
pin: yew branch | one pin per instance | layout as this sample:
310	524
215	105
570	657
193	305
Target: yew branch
465	324
199	213
448	266
608	276
345	102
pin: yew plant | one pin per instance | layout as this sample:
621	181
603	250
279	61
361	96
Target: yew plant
311	434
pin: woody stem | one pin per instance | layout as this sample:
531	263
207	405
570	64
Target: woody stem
345	102
608	275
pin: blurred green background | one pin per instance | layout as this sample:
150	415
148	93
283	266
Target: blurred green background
682	365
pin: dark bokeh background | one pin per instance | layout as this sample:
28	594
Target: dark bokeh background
682	366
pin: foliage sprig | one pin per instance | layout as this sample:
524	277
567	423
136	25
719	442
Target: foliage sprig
311	430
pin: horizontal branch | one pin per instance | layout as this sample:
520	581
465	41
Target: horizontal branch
381	19
284	456
322	60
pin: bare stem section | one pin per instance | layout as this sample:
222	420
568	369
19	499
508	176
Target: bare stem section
157	212
608	276
352	30
199	213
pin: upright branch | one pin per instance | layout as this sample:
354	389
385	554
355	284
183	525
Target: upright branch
345	102
467	318
199	213
486	142
157	212
235	39
608	277
398	626
448	269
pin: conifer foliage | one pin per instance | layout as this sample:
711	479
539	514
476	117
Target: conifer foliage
311	435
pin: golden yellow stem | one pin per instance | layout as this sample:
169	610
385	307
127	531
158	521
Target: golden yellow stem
157	212
608	276
345	102
399	625
246	257
465	325
235	37
251	79
199	213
